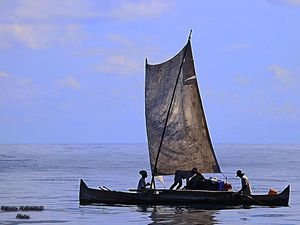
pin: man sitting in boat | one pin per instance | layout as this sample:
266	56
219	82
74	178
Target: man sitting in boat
246	188
182	174
142	182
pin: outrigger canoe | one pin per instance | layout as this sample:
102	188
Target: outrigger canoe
178	139
179	197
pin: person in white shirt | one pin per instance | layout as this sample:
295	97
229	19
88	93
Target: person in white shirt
142	182
246	188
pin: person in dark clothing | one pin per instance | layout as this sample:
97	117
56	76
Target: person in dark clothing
246	188
142	182
196	182
180	175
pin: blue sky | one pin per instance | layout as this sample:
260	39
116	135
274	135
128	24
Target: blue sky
73	71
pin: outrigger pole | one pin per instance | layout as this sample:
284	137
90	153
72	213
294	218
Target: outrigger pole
168	114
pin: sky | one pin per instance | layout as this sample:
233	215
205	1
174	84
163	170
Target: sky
73	71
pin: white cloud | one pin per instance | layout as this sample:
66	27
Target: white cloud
70	82
120	40
3	74
120	65
278	110
294	2
32	36
36	36
121	58
138	9
288	2
241	80
45	11
71	33
43	23
42	11
281	74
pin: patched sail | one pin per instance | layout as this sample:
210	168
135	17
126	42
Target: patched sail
186	141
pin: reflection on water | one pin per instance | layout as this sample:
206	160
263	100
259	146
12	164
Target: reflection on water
179	215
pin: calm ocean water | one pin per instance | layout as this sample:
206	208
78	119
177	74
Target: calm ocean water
49	175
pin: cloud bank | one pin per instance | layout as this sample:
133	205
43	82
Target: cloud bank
287	2
40	24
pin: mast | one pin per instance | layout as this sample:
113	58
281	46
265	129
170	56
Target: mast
168	114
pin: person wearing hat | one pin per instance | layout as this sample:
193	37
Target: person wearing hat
246	188
181	175
142	182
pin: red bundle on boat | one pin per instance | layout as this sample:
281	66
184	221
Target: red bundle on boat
227	187
272	191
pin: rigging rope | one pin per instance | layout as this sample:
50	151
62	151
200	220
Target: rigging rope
228	180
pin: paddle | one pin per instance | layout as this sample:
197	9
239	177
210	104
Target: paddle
250	198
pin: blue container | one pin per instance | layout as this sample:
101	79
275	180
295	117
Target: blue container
220	185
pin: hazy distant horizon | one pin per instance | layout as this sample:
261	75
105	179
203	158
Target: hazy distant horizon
124	143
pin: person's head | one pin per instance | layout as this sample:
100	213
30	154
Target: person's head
194	170
143	173
239	173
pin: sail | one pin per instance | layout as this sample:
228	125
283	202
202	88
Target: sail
186	142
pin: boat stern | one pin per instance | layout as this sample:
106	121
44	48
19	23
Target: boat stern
285	195
83	188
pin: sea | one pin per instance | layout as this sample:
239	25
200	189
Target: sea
48	175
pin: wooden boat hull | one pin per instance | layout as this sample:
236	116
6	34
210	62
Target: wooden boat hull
179	197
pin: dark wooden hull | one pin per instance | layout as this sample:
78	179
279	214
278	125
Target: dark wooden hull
179	197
